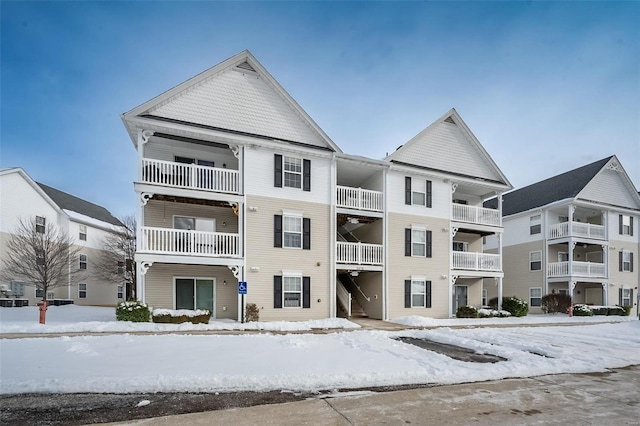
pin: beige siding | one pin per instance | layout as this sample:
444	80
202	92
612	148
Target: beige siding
402	267
159	286
270	261
618	278
517	276
371	285
160	214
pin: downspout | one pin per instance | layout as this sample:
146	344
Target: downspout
333	241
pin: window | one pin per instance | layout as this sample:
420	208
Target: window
40	257
39	292
417	293
563	256
292	231
626	297
535	296
120	294
484	296
292	172
82	291
41	224
17	288
83	232
563	219
417	242
563	291
535	261
460	246
626	225
418	192
626	261
83	261
291	290
535	226
120	270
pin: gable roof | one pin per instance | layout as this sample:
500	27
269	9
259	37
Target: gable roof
448	145
563	186
69	202
237	96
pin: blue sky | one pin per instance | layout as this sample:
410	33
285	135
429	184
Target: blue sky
545	87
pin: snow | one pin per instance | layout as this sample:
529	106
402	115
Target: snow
416	321
128	363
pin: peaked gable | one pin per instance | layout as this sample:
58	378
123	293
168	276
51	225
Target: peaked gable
238	95
448	145
611	185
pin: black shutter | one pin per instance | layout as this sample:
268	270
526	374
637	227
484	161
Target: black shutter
306	175
631	297
407	293
630	262
277	230
631	226
306	233
306	292
277	291
428	243
407	190
429	194
620	296
620	260
428	298
407	242
620	224
277	170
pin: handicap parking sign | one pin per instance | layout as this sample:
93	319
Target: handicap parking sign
242	287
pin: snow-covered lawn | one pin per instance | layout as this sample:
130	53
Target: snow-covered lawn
220	363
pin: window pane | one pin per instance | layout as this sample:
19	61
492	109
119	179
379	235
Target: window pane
419	249
417	300
292	224
536	292
418	236
292	283
292	300
418	198
536	256
417	287
292	180
293	164
292	240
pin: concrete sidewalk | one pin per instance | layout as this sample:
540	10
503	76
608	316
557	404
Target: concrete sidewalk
565	399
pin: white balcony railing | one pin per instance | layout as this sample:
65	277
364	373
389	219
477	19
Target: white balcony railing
360	199
582	269
473	214
359	253
476	261
190	176
184	242
577	229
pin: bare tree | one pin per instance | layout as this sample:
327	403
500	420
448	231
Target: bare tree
40	255
115	262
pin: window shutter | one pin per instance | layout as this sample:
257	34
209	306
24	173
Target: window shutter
277	291
407	293
631	297
620	260
407	242
429	194
620	296
306	233
428	243
306	292
631	226
306	175
407	190
277	170
277	230
428	298
630	262
620	224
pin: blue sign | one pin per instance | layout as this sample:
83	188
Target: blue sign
242	287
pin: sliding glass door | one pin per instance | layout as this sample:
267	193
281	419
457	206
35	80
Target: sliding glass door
195	293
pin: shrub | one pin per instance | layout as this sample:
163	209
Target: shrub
493	303
582	311
132	310
555	302
467	312
167	316
603	310
618	310
515	306
627	310
252	313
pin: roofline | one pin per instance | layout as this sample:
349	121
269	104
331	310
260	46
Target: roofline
35	186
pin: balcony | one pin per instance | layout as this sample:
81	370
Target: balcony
582	269
359	253
190	176
576	229
190	243
471	261
359	199
477	215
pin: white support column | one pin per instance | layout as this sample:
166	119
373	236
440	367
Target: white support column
605	293
572	245
572	287
499	293
499	196
333	185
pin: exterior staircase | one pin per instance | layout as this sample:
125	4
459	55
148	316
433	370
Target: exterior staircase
356	309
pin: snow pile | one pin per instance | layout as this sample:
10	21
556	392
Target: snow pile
416	321
493	313
180	312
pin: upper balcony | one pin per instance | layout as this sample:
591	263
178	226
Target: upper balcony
359	199
190	176
359	253
481	262
577	229
580	269
475	215
189	243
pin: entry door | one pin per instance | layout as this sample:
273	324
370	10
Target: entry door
460	296
195	294
184	293
204	295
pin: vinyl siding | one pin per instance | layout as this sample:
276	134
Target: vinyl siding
270	261
441	196
607	187
620	279
160	214
517	276
168	149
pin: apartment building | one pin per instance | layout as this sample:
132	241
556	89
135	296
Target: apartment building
21	198
236	183
575	233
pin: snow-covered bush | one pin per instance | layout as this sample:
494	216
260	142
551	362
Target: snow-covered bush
516	306
132	310
491	313
467	312
252	313
582	311
168	316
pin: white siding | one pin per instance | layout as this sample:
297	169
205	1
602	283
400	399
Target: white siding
168	149
516	229
20	200
607	187
441	201
613	227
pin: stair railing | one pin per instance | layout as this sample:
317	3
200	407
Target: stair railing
344	297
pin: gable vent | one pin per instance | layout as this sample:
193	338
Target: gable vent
246	66
449	120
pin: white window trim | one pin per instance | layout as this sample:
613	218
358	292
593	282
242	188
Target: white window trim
297	275
120	292
195	224
82	228
627	298
531	297
85	261
43	224
80	290
194	278
485	297
423	281
535	220
626	224
626	261
465	245
284	171
531	261
284	240
421	229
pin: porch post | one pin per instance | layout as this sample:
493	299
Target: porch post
499	293
572	245
572	286
499	196
605	293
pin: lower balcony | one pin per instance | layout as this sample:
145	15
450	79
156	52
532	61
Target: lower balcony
189	243
359	253
471	261
582	269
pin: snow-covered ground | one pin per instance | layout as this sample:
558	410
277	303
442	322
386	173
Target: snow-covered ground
296	362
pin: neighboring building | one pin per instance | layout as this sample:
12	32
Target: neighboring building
575	233
236	183
86	223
